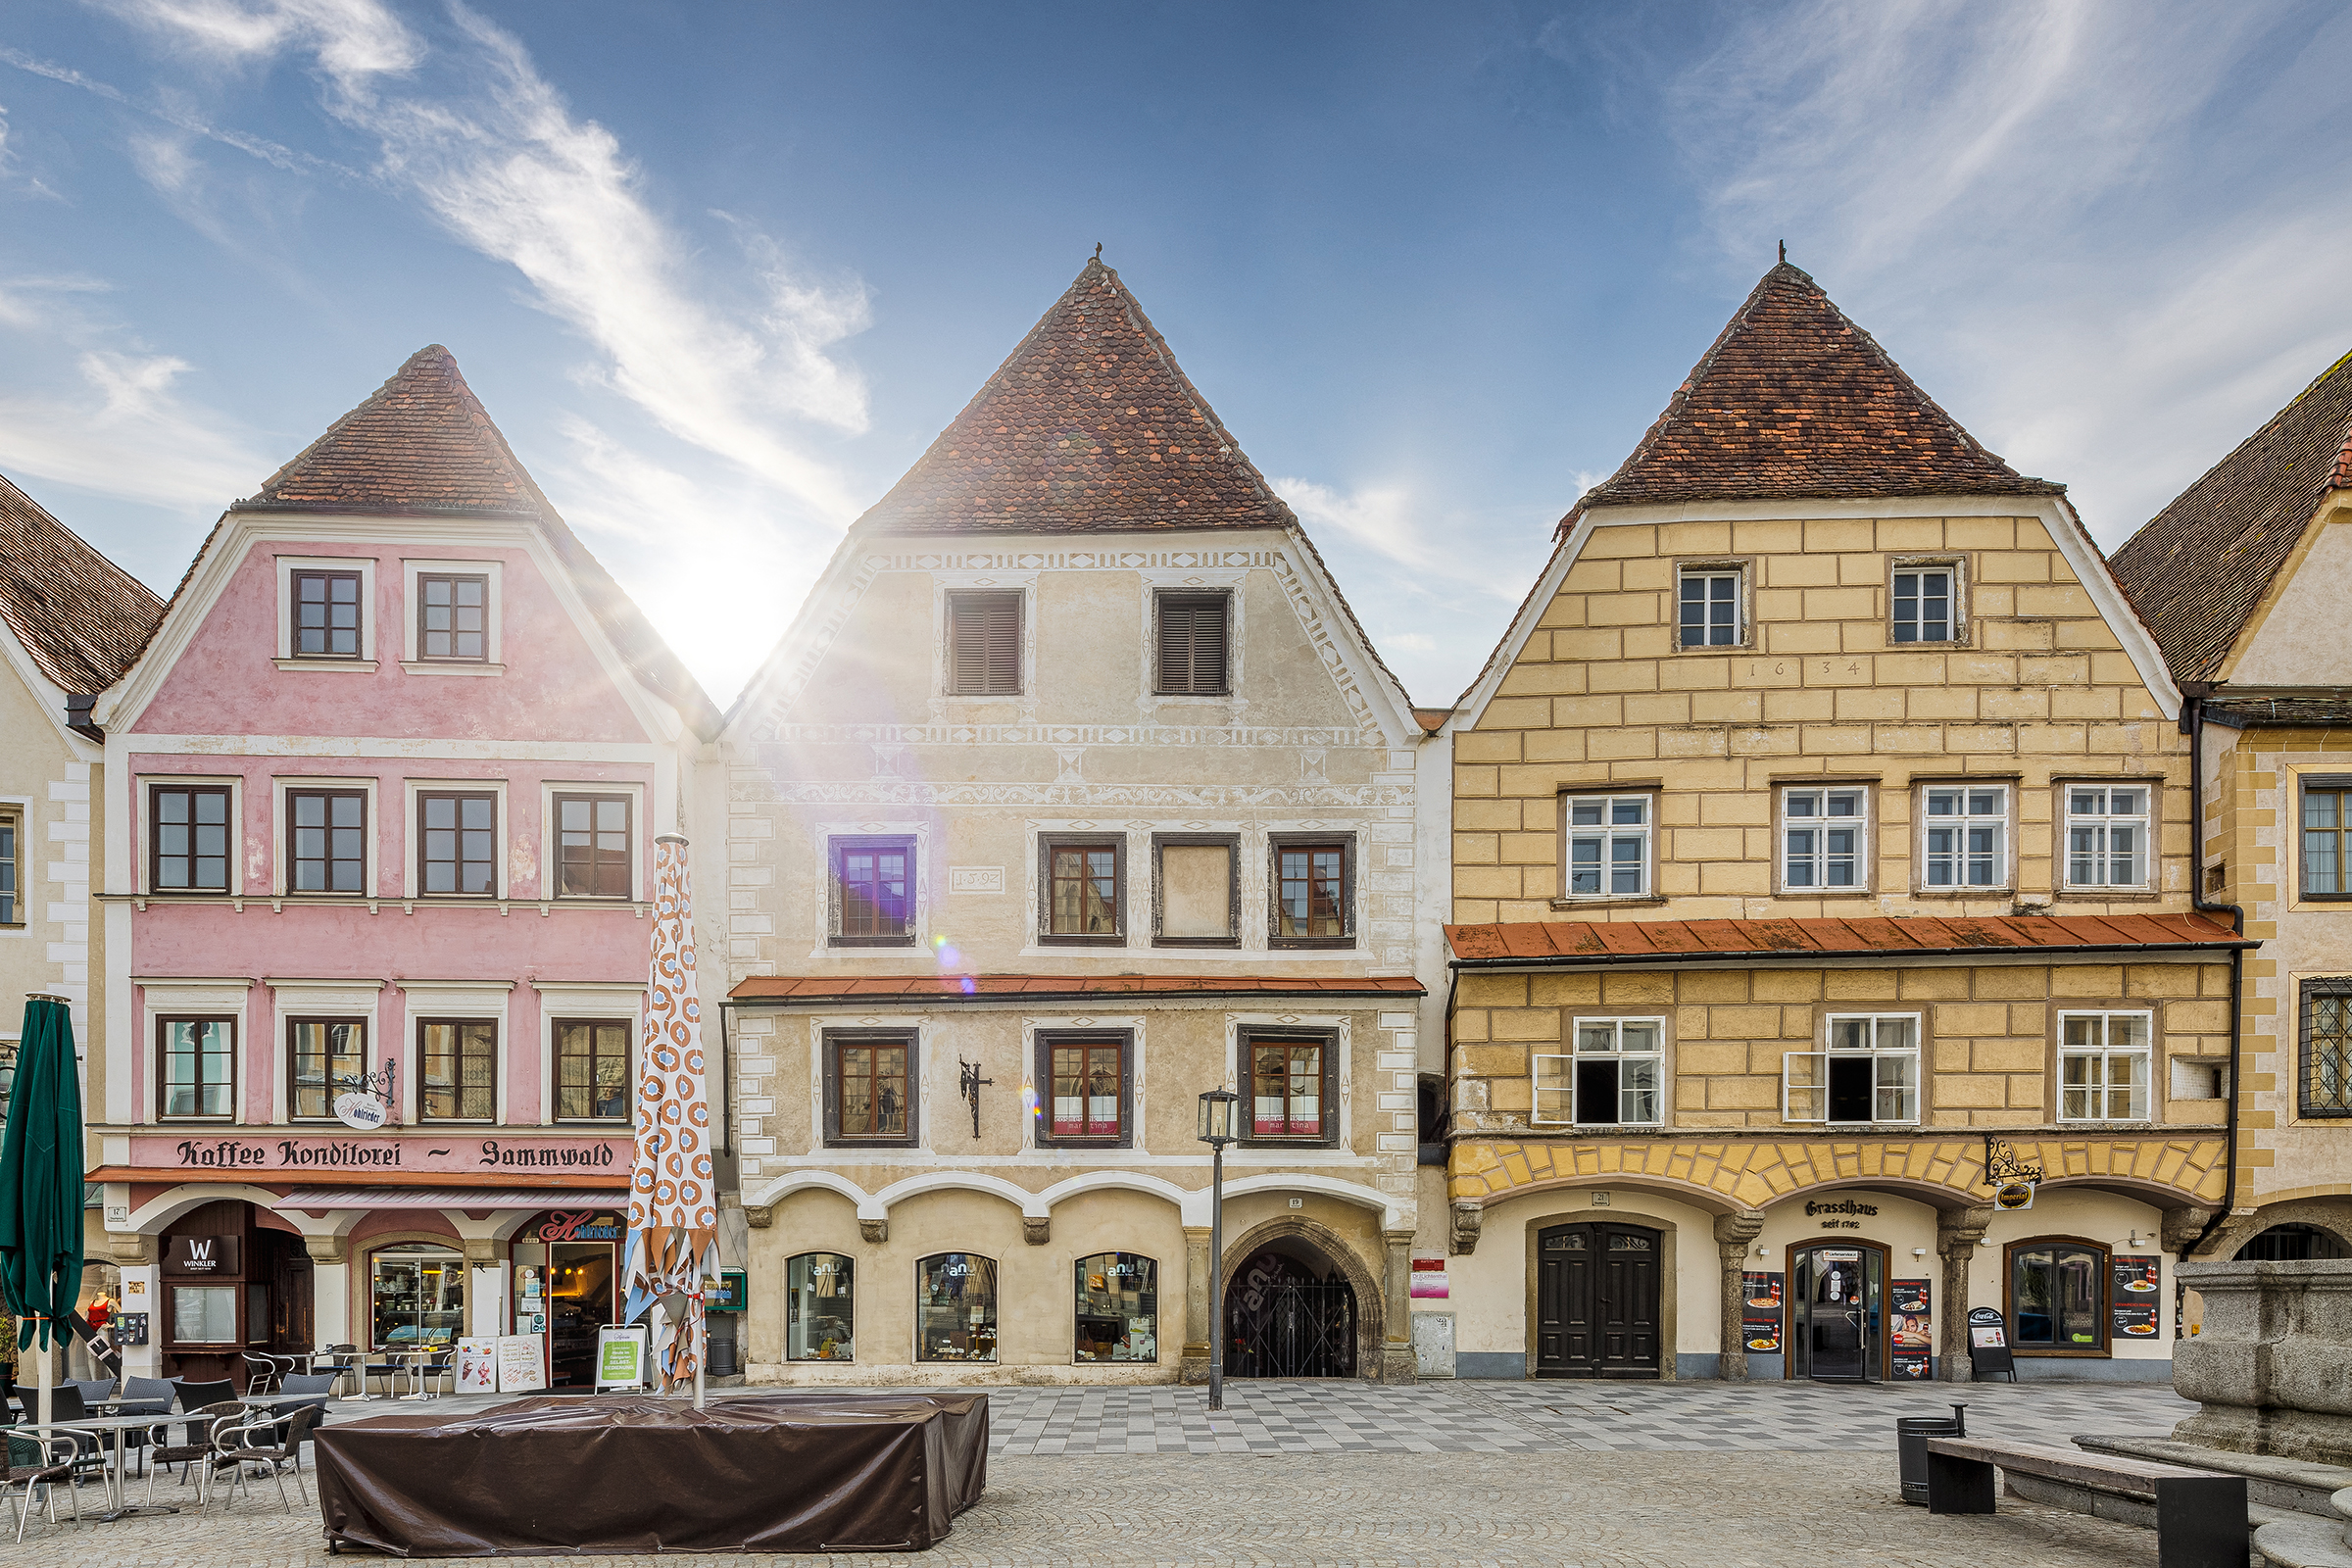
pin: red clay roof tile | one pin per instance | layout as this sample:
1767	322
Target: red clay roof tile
80	618
1089	424
2199	568
1652	941
1794	400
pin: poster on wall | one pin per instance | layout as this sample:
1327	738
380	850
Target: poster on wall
2136	1292
1912	1329
1428	1279
477	1366
1760	1311
522	1363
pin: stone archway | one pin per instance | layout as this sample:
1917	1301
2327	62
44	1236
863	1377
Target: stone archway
1370	1305
2332	1216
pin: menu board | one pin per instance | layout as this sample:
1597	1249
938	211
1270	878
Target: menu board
2135	1298
522	1363
1760	1311
1911	1324
1988	1342
477	1366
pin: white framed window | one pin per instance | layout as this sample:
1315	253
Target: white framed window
453	617
1924	602
1710	610
2107	835
1964	836
1613	1077
2103	1066
326	612
1825	840
1607	839
1868	1072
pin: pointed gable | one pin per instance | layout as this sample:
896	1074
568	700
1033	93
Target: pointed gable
421	443
1795	400
2201	566
80	618
1089	424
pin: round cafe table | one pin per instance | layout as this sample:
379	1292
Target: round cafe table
117	1496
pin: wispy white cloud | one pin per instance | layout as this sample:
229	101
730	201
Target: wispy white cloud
2096	231
124	404
501	160
1378	517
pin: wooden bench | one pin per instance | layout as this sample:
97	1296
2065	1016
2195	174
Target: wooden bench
2200	1514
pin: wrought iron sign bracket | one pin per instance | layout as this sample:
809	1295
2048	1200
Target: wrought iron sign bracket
378	1082
2001	1163
972	1084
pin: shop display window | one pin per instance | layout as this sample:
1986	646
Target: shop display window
1118	1309
2058	1297
204	1314
955	1308
417	1295
820	1319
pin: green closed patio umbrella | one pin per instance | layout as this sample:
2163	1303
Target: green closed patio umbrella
40	1182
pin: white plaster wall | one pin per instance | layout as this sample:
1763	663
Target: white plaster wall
2301	640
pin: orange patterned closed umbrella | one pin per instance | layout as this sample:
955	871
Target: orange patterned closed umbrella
674	1193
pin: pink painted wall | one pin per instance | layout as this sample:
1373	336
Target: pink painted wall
226	684
227	681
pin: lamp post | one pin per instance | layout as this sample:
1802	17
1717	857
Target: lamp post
1216	1131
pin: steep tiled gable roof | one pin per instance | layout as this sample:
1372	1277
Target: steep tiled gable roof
1795	400
1087	424
80	617
2199	568
423	444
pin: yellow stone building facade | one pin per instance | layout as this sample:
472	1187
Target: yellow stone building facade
1821	865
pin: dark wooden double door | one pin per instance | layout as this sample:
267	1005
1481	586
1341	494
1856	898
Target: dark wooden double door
1597	1302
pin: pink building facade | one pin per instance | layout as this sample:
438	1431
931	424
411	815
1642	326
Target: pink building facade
383	794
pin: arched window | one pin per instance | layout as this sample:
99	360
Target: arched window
1118	1309
418	1292
820	1318
956	1307
2290	1244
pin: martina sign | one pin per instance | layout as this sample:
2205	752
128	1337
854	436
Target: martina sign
409	1153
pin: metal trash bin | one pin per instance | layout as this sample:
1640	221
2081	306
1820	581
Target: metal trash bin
1911	1435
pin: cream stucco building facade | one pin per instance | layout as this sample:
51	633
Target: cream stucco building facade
1074	791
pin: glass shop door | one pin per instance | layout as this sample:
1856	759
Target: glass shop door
1836	1304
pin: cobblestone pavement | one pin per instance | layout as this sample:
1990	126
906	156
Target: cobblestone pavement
1594	1476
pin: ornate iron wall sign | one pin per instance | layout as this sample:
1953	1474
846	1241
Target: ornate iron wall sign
972	1084
2002	1166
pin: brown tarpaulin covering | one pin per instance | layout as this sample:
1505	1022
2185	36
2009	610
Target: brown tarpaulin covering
803	1471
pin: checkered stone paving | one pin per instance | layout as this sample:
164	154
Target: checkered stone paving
1577	1475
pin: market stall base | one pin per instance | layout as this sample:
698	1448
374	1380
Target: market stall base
801	1471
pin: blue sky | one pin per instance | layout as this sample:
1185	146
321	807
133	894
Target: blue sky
721	271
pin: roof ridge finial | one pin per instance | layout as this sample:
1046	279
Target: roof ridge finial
1784	253
1097	250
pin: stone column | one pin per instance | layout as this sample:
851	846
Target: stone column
1734	1233
1195	1366
330	1291
1397	1361
1957	1233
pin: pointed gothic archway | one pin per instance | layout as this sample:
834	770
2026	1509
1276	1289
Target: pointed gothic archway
1317	1307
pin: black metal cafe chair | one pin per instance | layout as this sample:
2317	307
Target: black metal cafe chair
195	1445
43	1460
241	1449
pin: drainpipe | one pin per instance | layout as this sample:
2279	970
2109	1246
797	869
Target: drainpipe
2193	720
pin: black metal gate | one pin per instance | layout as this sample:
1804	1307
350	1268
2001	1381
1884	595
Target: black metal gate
1284	1326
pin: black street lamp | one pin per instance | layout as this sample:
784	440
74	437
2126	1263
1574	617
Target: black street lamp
1216	1131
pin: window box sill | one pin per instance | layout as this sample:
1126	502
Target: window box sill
883	1146
1988	894
1083	941
1287	1143
451	667
1310	943
348	666
1603	900
2112	895
870	943
1197	942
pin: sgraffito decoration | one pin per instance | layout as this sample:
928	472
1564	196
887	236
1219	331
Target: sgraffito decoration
673	1194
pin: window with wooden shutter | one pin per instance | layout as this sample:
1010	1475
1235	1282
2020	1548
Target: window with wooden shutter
1192	645
983	644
